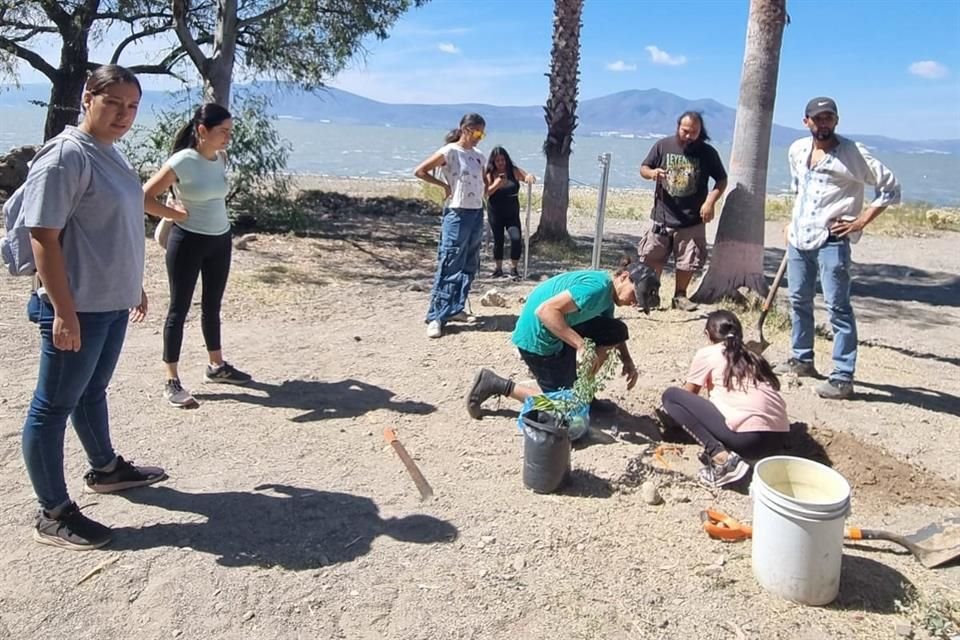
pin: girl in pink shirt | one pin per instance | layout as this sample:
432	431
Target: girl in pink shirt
745	410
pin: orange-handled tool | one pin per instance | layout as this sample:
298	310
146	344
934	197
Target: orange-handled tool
720	526
422	485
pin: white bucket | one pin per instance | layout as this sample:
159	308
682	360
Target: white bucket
799	508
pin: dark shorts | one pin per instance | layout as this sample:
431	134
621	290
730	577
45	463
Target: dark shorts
559	370
688	246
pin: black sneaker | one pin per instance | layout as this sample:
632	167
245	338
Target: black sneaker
835	390
226	373
800	368
123	476
514	275
485	384
70	530
497	273
716	475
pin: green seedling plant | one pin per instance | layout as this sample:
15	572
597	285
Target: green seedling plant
591	379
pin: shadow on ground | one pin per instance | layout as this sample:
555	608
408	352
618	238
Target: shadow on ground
321	400
868	585
291	527
503	322
919	397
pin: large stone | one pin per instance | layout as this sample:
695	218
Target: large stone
14	167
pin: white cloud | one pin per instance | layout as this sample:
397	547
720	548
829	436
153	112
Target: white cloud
659	56
929	69
620	65
448	47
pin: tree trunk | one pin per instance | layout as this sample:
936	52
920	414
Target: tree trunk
561	119
67	84
218	75
737	258
64	107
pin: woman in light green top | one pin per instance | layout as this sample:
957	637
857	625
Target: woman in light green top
199	243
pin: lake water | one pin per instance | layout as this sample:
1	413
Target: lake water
385	152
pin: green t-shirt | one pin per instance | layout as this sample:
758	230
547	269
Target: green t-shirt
202	188
592	292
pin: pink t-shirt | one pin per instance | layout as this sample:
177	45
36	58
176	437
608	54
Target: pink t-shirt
759	408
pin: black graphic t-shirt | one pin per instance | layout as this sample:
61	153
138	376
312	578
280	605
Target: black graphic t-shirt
683	191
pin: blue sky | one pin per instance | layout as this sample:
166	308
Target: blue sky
893	66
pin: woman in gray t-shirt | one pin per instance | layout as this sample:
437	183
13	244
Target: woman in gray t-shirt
83	205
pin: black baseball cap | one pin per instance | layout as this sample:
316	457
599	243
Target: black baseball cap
820	105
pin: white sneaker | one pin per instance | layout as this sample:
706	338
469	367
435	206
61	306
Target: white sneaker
176	395
463	316
434	329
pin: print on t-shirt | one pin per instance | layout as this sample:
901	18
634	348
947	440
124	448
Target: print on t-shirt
682	174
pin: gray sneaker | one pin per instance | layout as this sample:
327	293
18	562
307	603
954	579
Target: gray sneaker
835	389
176	395
70	530
717	475
799	368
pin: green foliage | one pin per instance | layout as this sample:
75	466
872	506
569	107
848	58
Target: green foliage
937	613
303	41
591	379
257	157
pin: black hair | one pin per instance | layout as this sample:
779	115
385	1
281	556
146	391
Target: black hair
468	120
209	115
107	75
492	165
743	366
695	115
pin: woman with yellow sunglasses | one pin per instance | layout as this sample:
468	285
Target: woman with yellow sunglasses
458	260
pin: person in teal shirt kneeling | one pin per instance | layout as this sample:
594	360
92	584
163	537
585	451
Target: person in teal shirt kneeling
559	315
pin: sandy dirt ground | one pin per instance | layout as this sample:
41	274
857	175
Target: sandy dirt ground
287	516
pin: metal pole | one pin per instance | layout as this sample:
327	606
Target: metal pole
526	233
604	159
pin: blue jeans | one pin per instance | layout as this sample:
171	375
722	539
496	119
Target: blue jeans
70	383
458	260
832	262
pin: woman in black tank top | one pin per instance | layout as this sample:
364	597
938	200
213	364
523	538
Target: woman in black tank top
503	188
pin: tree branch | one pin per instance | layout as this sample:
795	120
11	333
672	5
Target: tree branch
131	17
155	69
180	10
266	15
133	37
56	14
32	58
25	26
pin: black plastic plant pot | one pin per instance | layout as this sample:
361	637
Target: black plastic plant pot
546	452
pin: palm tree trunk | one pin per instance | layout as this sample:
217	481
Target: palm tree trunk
561	119
737	259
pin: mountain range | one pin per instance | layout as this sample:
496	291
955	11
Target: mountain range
644	113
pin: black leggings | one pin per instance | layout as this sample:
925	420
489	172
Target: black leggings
506	217
190	255
702	420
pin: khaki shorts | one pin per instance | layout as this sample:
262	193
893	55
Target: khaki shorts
688	246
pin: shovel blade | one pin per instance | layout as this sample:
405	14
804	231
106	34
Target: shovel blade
938	543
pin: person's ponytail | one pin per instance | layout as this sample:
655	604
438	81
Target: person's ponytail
743	366
452	136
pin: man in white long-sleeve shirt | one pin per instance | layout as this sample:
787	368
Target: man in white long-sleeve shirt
829	175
